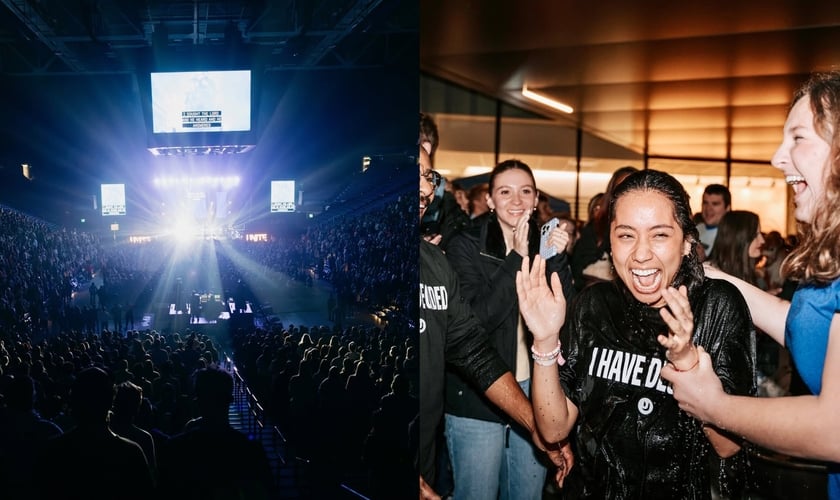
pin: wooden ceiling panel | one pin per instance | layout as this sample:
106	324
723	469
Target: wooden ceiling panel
684	79
688	119
760	116
497	26
716	150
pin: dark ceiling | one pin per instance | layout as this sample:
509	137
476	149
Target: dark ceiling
688	79
102	36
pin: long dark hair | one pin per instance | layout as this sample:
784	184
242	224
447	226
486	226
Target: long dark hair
736	231
603	217
691	272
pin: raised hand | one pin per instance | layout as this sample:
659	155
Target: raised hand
542	307
680	320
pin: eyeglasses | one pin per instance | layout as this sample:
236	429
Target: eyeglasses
425	199
432	177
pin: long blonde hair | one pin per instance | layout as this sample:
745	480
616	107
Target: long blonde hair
817	258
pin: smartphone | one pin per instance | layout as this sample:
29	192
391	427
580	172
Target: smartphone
548	251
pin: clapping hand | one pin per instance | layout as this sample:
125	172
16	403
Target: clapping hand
520	235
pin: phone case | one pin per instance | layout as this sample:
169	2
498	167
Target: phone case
548	251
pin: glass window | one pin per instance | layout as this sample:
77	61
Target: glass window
467	125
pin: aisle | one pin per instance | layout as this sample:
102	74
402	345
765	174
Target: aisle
294	478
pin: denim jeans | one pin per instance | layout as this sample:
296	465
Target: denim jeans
492	460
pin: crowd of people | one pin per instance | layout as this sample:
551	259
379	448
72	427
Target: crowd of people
654	305
579	370
365	256
78	371
343	398
39	264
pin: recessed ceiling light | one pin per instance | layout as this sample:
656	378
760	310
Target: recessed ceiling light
546	101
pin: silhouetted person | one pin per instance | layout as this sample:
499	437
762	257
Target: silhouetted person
361	391
117	316
129	317
126	407
210	459
23	433
302	405
90	461
387	450
331	303
195	307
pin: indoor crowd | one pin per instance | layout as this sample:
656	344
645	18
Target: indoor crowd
55	366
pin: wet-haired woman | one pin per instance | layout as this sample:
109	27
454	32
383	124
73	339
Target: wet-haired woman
632	440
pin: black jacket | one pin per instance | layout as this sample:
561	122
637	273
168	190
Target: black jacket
488	282
449	334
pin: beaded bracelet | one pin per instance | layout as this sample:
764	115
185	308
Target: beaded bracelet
548	358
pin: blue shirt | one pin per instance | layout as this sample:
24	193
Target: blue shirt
806	336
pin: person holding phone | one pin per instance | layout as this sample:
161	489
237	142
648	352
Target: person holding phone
451	335
491	456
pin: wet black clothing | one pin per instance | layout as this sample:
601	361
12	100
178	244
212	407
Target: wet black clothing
450	333
488	280
631	438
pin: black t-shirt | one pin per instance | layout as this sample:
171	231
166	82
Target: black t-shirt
631	438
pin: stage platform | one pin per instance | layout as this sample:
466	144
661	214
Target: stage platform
278	300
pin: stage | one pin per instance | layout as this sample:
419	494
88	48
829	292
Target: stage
278	299
210	314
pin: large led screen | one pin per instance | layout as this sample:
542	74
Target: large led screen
282	196
113	199
201	101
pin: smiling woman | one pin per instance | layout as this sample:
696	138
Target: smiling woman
647	247
809	324
609	398
486	257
